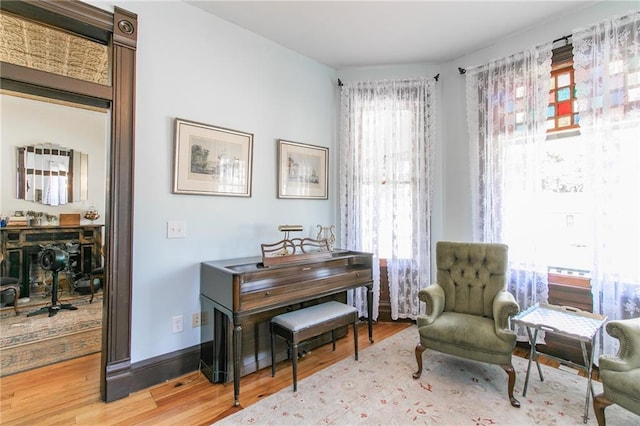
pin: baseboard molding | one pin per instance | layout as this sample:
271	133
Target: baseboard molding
165	367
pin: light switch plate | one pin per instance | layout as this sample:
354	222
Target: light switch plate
176	229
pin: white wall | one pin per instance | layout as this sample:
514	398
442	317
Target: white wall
194	66
457	184
30	122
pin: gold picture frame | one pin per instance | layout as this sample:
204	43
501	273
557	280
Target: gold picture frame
211	160
303	171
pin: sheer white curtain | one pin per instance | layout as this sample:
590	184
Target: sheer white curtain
607	75
387	137
506	106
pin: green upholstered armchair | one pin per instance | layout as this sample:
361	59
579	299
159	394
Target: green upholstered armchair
620	375
468	308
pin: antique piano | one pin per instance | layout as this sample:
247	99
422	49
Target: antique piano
240	296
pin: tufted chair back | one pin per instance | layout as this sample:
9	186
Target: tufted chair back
471	274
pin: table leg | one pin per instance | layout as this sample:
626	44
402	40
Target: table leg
532	355
537	355
588	366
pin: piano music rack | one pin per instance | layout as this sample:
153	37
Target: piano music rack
294	250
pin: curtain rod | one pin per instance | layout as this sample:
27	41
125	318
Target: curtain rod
565	38
464	71
435	77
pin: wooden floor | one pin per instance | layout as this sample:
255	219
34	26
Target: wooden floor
68	393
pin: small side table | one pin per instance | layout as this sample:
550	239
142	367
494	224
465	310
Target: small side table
564	321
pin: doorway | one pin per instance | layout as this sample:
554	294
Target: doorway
117	31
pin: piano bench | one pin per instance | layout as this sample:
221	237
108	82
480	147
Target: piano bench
305	323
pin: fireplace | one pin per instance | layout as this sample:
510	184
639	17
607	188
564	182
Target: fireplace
21	246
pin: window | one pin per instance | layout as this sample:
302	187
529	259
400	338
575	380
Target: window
562	110
390	186
563	168
387	135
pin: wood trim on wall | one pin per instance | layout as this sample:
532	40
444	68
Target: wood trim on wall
116	353
119	31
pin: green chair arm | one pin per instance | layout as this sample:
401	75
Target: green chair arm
628	334
433	296
504	307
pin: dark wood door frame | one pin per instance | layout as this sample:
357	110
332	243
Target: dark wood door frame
118	30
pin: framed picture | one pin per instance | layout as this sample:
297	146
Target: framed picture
212	160
303	171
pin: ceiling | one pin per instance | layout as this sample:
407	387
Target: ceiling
343	34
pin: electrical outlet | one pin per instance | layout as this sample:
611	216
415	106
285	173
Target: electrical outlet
176	229
177	324
195	320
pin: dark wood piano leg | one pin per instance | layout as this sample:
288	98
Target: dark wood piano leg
237	347
370	310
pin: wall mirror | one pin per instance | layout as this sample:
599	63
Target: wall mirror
52	174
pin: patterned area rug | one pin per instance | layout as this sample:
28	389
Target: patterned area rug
378	389
30	342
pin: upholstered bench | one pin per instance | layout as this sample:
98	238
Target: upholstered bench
305	323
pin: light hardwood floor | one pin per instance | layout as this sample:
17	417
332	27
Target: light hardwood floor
68	393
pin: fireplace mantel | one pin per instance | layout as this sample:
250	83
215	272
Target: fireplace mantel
21	244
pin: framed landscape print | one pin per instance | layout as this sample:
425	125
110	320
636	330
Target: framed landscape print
303	171
212	160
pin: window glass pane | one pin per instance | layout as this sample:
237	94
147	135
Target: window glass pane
564	108
551	124
552	97
551	111
564	121
39	47
564	94
617	97
520	92
576	119
564	79
616	67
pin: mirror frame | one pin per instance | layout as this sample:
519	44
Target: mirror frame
118	30
75	170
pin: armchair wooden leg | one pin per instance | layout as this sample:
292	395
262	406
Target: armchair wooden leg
511	372
419	350
600	402
16	296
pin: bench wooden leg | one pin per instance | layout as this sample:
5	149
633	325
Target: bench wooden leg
355	338
273	352
333	339
294	360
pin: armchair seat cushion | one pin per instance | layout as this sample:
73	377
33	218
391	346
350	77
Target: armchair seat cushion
623	388
467	336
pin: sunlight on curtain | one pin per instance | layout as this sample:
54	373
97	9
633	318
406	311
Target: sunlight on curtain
607	75
388	132
506	107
